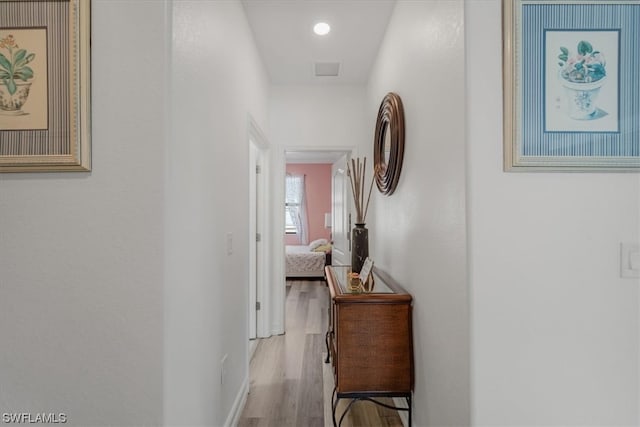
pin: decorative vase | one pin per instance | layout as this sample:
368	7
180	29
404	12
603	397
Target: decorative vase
581	98
11	104
360	248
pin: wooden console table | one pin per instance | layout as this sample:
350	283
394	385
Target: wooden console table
369	340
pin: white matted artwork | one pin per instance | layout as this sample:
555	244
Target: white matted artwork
581	81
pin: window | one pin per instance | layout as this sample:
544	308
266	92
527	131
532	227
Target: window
295	207
289	211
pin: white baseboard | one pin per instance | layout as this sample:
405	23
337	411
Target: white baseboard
238	405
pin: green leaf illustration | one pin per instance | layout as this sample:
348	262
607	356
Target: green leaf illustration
564	50
14	66
563	57
584	47
24	74
20	64
11	85
4	63
20	55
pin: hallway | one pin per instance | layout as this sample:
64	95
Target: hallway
286	370
125	290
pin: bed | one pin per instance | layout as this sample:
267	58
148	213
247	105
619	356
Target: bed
307	260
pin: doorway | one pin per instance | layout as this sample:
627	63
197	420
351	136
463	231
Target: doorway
335	216
340	213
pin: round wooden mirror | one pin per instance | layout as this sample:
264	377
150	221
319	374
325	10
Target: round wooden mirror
388	149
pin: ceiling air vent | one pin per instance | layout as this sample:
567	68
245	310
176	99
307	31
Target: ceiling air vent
327	69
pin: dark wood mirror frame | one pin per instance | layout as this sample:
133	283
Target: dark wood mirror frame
389	130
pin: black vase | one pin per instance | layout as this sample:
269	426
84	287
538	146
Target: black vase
360	247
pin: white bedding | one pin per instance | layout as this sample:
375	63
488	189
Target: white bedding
302	262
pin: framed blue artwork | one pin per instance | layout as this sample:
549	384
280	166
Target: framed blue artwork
571	85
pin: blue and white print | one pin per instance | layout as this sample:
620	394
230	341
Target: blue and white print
579	90
581	81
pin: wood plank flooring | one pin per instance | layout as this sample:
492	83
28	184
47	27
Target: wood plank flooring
287	371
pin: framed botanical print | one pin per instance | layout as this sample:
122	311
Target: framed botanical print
45	85
571	85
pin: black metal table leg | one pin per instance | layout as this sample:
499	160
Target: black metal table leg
326	341
346	410
334	406
371	397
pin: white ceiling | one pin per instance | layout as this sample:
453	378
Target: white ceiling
283	31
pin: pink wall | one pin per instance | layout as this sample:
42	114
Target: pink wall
318	187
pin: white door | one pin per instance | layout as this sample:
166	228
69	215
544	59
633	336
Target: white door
341	216
253	232
257	264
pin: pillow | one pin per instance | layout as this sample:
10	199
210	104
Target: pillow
323	248
317	243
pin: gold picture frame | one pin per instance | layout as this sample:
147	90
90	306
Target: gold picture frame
570	85
45	85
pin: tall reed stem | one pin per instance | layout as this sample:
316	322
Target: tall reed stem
357	174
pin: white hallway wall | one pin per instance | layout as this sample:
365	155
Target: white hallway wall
555	327
418	234
81	253
217	79
83	257
317	116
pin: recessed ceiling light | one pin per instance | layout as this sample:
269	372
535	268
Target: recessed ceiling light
321	28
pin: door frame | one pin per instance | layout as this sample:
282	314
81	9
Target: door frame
277	289
346	190
258	260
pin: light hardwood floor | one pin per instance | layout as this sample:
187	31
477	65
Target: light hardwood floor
287	371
